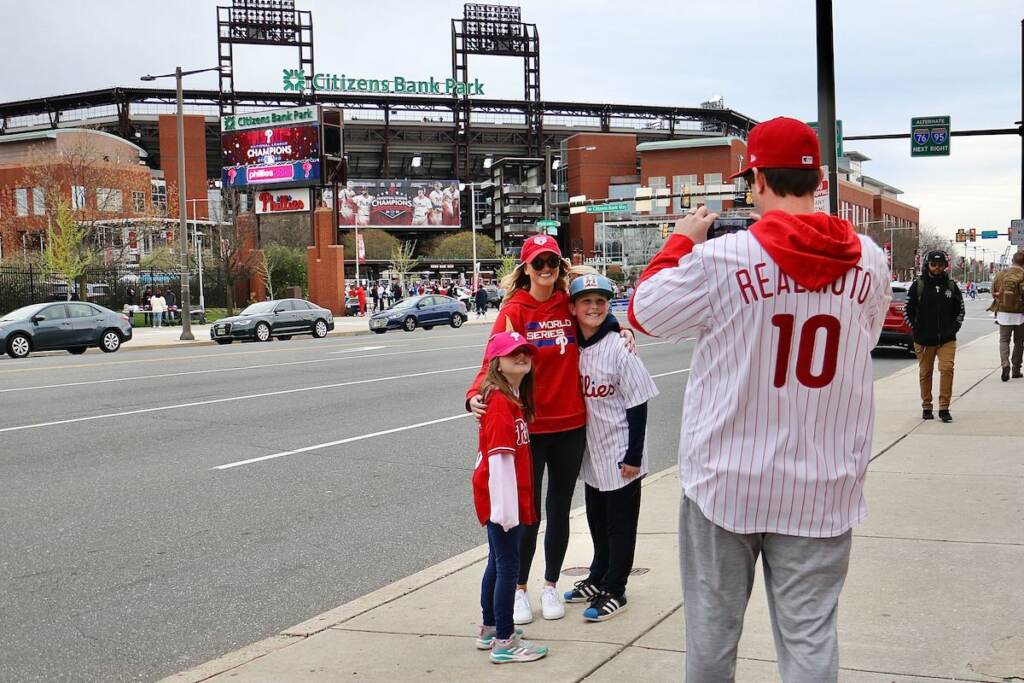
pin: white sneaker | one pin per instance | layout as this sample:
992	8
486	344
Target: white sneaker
552	603
522	613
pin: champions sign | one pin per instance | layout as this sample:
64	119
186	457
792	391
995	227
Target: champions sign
271	148
400	203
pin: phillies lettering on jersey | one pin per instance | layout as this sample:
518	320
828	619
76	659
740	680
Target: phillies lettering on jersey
779	406
613	380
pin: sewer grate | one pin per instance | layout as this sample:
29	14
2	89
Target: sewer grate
584	571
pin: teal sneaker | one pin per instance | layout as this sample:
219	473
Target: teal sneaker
515	649
489	634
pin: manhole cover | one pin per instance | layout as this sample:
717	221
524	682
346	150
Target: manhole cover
584	571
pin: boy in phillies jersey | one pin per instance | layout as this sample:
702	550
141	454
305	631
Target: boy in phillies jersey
616	388
503	491
779	408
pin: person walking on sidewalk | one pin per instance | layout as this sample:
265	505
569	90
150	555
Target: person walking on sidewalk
935	311
779	406
158	305
480	298
503	490
1008	305
537	307
616	388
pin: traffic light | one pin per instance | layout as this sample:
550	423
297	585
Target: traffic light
961	235
972	235
664	230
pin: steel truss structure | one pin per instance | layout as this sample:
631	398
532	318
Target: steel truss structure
261	22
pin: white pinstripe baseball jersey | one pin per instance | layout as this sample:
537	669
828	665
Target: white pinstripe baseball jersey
779	408
613	380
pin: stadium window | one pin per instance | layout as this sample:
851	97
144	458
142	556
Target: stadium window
38	201
138	201
77	197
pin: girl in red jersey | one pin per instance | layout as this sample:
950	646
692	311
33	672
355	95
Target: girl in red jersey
537	307
503	490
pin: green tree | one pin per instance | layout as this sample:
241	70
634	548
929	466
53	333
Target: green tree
283	267
402	259
67	253
460	246
378	244
161	258
508	264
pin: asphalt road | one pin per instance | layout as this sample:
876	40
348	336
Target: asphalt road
130	552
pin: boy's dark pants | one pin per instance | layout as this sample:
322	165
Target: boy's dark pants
613	517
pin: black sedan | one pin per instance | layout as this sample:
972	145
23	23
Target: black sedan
72	326
281	318
420	311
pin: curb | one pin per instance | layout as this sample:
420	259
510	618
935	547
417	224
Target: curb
358	606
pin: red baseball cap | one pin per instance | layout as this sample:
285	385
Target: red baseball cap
505	343
781	143
538	244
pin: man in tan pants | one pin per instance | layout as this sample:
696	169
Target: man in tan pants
935	310
1008	305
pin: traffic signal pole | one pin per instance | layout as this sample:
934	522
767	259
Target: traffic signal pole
827	99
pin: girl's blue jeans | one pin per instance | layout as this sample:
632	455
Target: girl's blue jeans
498	588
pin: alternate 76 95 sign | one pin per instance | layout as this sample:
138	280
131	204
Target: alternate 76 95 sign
929	136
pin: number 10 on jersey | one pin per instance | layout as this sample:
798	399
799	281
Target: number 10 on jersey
786	323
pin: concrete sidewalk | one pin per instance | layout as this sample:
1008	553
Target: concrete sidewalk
167	337
934	592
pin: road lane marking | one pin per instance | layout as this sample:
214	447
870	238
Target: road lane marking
230	399
362	437
340	442
232	369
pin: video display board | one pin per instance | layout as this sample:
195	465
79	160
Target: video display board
400	203
276	154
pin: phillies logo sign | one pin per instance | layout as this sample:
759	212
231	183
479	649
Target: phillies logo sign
282	202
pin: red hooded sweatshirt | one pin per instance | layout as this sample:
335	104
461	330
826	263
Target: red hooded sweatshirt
557	396
814	249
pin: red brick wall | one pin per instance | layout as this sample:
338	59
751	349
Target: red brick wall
325	262
887	206
589	173
195	162
855	195
698	161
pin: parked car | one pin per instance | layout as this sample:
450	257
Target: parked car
420	311
279	318
72	326
352	306
493	300
895	330
984	287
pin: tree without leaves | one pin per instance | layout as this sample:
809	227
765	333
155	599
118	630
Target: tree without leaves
402	259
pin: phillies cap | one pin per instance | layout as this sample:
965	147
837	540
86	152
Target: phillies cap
781	143
538	244
505	343
585	284
937	256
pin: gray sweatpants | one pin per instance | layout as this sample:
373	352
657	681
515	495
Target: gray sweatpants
802	576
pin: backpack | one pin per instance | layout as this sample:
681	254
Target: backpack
1011	288
921	284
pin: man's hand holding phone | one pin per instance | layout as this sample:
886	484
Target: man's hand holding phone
695	224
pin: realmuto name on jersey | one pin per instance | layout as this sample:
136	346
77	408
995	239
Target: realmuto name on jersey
755	285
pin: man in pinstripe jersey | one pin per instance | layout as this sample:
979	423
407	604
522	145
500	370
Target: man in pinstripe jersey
616	388
779	407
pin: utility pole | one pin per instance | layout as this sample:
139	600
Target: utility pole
827	99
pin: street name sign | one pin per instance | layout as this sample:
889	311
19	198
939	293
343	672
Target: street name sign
547	223
989	234
929	136
608	208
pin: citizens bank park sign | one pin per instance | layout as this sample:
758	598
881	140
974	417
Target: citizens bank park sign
295	80
279	147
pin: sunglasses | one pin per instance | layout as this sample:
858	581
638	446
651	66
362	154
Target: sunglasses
551	261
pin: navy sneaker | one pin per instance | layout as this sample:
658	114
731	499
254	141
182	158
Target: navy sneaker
582	591
605	607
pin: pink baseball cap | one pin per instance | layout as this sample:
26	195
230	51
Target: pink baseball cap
506	343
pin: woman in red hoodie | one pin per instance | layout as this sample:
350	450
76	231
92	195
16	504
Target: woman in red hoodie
537	306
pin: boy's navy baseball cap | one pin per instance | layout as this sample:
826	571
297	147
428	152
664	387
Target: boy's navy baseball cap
781	143
591	282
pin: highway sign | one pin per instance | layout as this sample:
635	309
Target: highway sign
839	134
929	136
608	208
1017	232
989	234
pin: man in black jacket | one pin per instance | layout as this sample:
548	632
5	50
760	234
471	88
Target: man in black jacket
935	310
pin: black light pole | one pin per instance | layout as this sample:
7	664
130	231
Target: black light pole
827	99
186	293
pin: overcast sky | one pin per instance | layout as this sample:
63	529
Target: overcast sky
894	59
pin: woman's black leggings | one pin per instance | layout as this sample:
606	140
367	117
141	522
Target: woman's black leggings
562	452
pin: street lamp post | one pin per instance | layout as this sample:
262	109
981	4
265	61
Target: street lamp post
891	228
472	226
186	294
548	204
